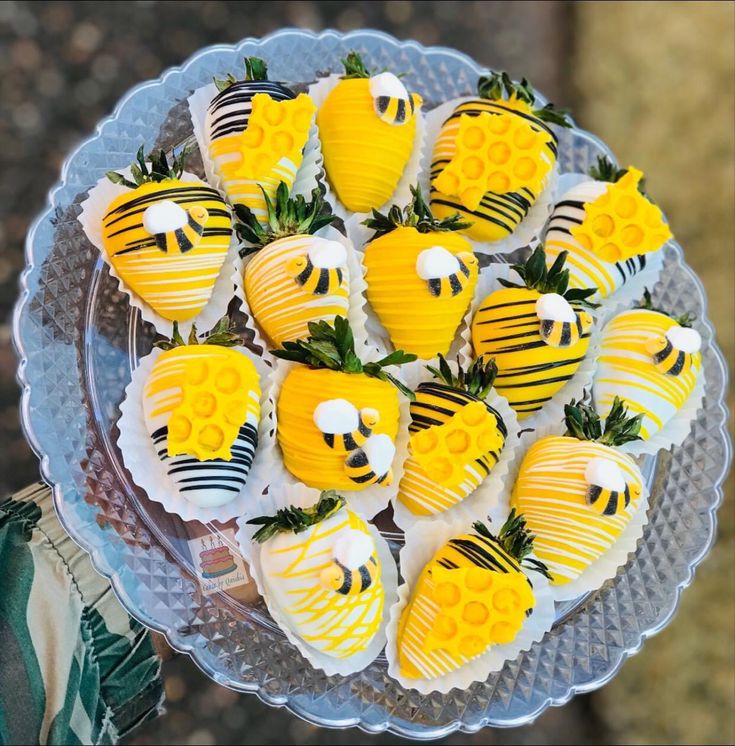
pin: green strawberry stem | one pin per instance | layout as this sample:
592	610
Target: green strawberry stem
223	334
417	214
499	85
516	540
354	67
158	170
686	319
606	170
285	216
583	423
555	279
477	380
295	519
332	347
255	69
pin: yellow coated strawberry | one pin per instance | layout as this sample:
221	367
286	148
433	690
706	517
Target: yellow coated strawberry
421	276
367	127
493	156
166	238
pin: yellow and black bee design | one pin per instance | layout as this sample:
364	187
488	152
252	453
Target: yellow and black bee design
369	418
397	111
348	582
565	333
451	285
610	502
358	469
667	358
184	239
315	280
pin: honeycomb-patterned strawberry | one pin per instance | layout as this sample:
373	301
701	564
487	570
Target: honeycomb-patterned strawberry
443	451
215	403
622	223
495	153
276	130
477	608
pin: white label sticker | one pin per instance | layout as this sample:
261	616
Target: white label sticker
217	562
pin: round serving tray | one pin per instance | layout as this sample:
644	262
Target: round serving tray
78	341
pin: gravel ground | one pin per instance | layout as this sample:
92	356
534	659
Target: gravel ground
64	65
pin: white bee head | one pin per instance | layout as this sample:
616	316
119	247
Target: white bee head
554	307
164	217
325	254
353	548
336	417
436	262
684	339
605	473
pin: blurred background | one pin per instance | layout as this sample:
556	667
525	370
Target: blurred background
654	80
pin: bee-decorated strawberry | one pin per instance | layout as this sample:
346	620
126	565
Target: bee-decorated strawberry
322	575
255	133
421	275
538	333
201	405
471	596
456	437
493	157
337	416
578	491
166	238
367	128
293	277
650	359
608	226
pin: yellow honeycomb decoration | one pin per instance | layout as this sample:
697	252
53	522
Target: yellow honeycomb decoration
495	153
443	451
276	130
477	608
214	405
622	223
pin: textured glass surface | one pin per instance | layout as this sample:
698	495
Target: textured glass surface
78	342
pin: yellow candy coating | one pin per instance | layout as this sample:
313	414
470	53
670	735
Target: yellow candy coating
416	320
305	453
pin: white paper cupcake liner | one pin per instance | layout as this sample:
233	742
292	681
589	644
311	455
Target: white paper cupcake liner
528	231
370	501
402	195
91	218
149	472
552	413
302	496
478	504
632	291
422	542
309	173
606	566
357	313
677	429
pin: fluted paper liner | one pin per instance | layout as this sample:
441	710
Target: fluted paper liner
632	290
606	566
552	413
422	542
528	231
356	315
302	496
141	458
368	502
308	174
402	195
93	211
483	500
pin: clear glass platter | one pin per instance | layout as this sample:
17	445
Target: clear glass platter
78	341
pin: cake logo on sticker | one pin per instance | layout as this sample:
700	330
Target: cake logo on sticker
217	563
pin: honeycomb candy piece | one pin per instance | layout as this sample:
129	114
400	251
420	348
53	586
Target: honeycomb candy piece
443	451
622	222
276	130
477	608
495	153
214	405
